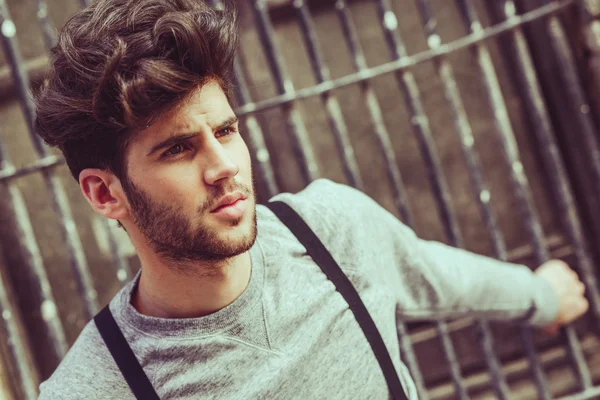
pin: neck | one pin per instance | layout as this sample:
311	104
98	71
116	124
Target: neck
165	291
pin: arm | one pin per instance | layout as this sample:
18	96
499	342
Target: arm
431	280
482	287
465	283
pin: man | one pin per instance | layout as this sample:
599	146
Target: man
228	304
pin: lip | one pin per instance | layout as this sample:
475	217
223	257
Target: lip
228	200
232	212
231	207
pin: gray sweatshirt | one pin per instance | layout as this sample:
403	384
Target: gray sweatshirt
290	334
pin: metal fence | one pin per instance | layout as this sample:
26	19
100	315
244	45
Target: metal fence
530	36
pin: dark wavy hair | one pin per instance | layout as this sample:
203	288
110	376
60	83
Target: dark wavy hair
121	64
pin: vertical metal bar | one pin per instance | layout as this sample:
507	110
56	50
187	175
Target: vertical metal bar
375	113
401	202
553	162
47	28
520	186
28	379
453	96
482	194
35	264
573	346
69	230
284	86
123	268
411	93
256	138
532	96
568	73
334	112
590	18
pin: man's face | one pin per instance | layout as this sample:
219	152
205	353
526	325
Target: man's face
189	182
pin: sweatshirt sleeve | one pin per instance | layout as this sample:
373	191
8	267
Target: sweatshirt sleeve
430	280
463	283
434	281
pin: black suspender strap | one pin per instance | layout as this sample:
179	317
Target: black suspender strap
332	270
131	369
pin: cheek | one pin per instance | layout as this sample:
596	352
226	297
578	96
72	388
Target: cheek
176	181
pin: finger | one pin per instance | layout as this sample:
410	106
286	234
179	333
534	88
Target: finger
585	305
565	267
560	263
571	273
579	308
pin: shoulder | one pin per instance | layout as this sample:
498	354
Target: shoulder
324	189
325	200
342	217
88	371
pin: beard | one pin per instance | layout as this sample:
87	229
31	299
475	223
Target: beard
180	238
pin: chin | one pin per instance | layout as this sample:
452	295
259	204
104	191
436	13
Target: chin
241	229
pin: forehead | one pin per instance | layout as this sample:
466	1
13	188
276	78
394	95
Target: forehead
205	108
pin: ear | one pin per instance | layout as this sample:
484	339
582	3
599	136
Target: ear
102	189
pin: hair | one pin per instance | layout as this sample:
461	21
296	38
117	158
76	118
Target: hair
121	64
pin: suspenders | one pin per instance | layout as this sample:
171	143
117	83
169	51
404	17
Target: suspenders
130	367
139	382
330	267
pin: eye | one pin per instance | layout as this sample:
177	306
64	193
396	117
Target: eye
175	150
230	130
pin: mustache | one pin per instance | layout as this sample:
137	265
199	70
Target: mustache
218	192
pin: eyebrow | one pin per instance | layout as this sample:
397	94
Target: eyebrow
177	138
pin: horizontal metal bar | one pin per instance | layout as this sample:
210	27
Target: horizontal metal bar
591	393
36	68
404	63
36	166
554	358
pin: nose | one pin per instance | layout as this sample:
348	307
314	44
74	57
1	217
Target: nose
219	165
